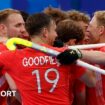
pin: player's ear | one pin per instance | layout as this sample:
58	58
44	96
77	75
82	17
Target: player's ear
101	29
45	32
3	29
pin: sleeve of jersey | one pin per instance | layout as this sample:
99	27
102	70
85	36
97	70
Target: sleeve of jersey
78	71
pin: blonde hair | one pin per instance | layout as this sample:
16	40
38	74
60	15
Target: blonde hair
100	16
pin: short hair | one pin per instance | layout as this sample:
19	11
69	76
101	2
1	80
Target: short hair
6	12
36	22
57	14
78	16
100	16
25	15
69	29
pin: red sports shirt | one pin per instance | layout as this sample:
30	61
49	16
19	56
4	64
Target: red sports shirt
96	96
3	83
40	79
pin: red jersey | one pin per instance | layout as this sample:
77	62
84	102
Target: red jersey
40	79
3	83
2	47
79	86
96	96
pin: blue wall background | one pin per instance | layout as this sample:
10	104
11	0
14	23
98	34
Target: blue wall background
33	6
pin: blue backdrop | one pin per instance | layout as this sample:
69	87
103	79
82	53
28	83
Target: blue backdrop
32	6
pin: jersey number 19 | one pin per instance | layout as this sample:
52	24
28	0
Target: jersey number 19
54	82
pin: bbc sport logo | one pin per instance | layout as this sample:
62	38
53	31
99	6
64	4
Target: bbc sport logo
7	93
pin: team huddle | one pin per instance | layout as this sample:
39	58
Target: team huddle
43	79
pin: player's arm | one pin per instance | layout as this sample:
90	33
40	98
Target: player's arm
93	56
80	98
86	76
71	55
89	78
12	86
79	93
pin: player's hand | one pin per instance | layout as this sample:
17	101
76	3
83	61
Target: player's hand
69	56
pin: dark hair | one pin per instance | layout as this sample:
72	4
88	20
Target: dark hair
25	15
78	16
36	22
69	29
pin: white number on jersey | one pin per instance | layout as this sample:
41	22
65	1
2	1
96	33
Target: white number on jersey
54	82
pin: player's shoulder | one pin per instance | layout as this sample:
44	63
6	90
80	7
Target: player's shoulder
55	48
3	47
6	52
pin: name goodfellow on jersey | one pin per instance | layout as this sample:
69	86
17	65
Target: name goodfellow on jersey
39	61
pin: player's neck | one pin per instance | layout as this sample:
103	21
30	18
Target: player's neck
102	39
38	40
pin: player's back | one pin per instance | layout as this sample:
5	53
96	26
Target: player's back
40	79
